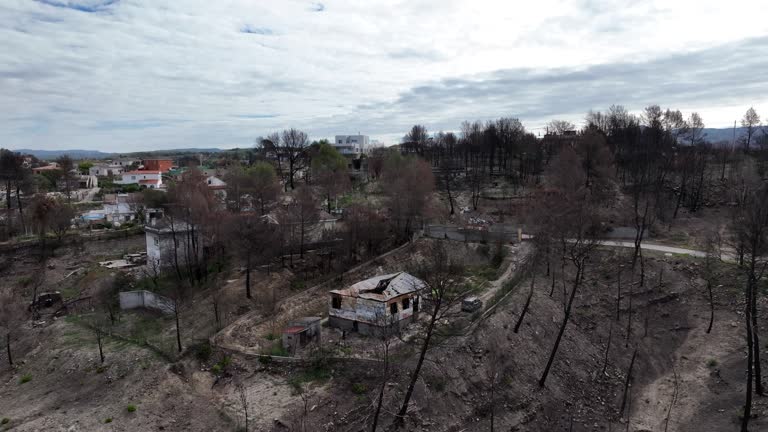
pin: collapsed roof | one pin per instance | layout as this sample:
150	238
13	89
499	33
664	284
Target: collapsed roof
384	287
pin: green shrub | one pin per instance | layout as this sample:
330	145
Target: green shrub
271	337
109	420
204	351
711	363
265	360
222	365
298	284
359	388
25	379
279	351
5	420
131	408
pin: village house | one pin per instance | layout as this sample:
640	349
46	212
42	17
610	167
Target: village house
370	306
166	239
124	162
146	179
218	186
50	167
162	165
106	170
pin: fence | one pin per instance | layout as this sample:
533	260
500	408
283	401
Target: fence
146	299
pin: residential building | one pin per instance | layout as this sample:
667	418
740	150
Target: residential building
218	186
106	170
146	179
50	167
167	243
162	165
349	145
124	162
375	304
112	213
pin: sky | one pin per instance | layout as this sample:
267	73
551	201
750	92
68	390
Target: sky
131	75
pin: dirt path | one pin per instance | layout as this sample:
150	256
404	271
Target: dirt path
694	362
520	251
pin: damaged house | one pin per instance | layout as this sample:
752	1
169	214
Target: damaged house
371	305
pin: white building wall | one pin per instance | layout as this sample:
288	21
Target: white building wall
351	144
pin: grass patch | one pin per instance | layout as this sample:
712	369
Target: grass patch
25	379
484	273
711	363
277	350
131	408
298	284
317	373
271	337
222	365
5	420
359	388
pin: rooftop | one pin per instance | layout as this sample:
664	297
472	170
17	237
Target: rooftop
383	287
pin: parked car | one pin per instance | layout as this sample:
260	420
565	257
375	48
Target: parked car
471	304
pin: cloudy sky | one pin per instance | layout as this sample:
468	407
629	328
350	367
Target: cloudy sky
126	75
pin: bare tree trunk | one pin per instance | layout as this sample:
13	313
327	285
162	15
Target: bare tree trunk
576	282
627	381
178	328
527	303
415	376
673	401
629	317
747	411
711	307
8	348
98	340
380	401
552	290
618	295
248	276
608	347
21	212
756	343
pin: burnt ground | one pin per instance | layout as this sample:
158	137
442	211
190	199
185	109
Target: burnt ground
454	392
68	389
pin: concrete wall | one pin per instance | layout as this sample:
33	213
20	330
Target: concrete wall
364	328
145	299
367	313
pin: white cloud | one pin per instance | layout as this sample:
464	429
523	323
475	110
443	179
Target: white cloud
143	74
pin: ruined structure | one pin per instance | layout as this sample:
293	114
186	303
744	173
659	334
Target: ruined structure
371	305
300	333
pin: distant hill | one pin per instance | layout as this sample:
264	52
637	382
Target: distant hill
74	154
717	135
95	154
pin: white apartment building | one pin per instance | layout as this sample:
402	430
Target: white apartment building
351	144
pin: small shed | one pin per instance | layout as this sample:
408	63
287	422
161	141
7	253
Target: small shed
300	333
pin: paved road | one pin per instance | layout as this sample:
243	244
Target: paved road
655	247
